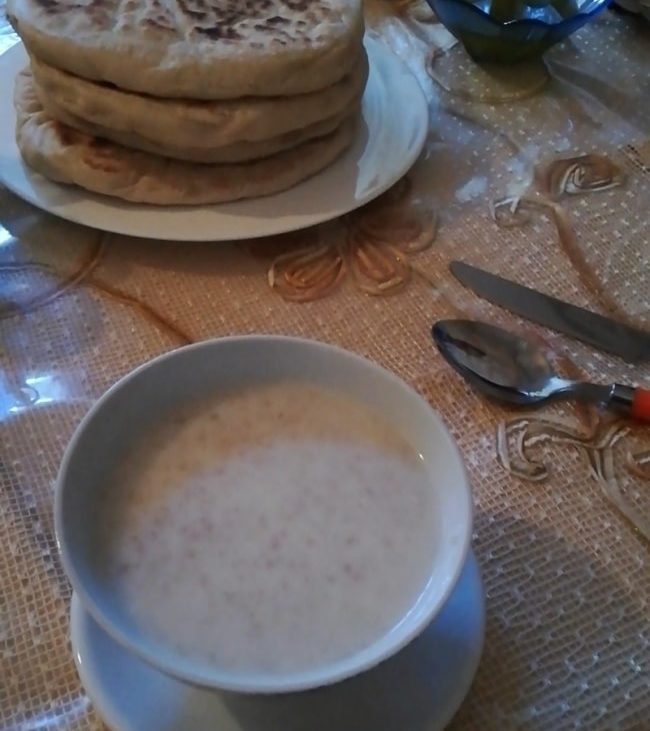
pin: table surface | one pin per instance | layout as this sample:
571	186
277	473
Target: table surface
567	574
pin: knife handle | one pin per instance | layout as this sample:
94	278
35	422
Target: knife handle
641	404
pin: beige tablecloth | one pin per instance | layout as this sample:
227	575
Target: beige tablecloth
567	576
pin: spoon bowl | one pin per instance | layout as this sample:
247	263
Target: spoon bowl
498	363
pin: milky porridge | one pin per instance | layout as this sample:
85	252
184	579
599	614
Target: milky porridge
276	529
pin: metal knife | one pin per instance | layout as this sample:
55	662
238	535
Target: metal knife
628	343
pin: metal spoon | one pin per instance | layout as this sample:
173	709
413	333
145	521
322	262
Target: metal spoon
510	368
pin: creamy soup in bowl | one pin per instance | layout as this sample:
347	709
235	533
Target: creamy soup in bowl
262	514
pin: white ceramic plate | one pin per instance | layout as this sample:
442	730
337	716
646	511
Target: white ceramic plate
418	689
387	144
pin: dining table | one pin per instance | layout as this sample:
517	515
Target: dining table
537	171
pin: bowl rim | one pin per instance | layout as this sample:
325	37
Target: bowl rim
534	22
340	670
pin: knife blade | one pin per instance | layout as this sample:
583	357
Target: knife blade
628	343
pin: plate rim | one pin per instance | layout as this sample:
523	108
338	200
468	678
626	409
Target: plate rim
419	113
115	720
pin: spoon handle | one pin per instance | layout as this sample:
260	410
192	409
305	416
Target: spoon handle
641	404
634	402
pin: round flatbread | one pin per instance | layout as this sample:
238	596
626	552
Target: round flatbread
196	49
236	152
66	155
192	125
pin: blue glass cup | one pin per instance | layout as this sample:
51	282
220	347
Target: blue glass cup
510	31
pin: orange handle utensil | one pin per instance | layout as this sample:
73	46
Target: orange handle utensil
634	402
641	404
511	368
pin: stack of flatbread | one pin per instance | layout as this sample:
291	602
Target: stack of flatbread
178	102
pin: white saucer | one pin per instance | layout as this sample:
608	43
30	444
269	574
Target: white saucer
391	134
419	689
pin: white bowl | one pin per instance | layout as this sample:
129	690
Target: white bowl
140	399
